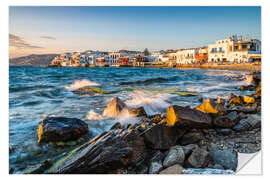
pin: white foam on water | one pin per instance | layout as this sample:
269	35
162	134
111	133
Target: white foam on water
153	103
248	79
81	83
92	115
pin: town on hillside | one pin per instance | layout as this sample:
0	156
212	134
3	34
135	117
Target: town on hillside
232	50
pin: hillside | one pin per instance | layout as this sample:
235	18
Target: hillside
32	60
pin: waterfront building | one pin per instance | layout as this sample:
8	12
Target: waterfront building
202	55
186	56
234	49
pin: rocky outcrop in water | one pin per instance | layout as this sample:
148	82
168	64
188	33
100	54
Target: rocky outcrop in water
54	129
187	117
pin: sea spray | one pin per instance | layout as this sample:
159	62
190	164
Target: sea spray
81	83
152	103
92	115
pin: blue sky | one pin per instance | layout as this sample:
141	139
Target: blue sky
58	29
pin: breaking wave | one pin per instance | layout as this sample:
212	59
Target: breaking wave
152	103
92	115
81	83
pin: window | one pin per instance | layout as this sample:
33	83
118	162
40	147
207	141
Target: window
215	49
244	46
220	49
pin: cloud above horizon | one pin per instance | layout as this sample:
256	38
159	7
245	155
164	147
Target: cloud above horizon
18	42
48	37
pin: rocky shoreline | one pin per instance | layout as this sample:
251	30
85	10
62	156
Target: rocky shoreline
185	140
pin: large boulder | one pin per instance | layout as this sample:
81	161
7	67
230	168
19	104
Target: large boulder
162	137
114	108
175	169
191	138
243	125
136	112
54	129
155	167
227	121
199	158
105	153
176	155
254	120
187	117
209	106
235	101
225	158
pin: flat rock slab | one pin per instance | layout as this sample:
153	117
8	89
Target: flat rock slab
187	117
162	137
53	129
104	154
225	158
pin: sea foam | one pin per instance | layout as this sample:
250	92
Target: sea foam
81	83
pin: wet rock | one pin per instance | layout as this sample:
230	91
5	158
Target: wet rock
189	148
39	168
116	126
235	101
225	158
218	166
54	129
157	118
175	169
220	101
105	153
199	158
11	170
249	99
244	109
137	112
158	156
245	88
243	125
191	138
115	107
176	155
155	167
227	121
209	106
162	137
225	131
254	120
187	117
200	99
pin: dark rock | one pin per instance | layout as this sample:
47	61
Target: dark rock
200	99
245	88
199	158
225	158
155	167
220	101
158	156
157	118
191	138
105	153
116	126
227	121
175	169
115	107
189	148
225	131
162	137
187	117
137	112
55	129
243	125
254	121
11	170
235	101
218	166
209	106
176	155
40	168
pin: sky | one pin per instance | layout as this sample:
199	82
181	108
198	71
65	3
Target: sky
52	29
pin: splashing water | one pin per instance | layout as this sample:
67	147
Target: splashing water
249	79
152	103
81	83
92	115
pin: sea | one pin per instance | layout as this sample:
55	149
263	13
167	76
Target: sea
36	93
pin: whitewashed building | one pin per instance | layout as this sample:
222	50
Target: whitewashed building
234	49
186	56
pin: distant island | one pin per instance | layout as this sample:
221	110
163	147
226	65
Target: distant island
40	60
